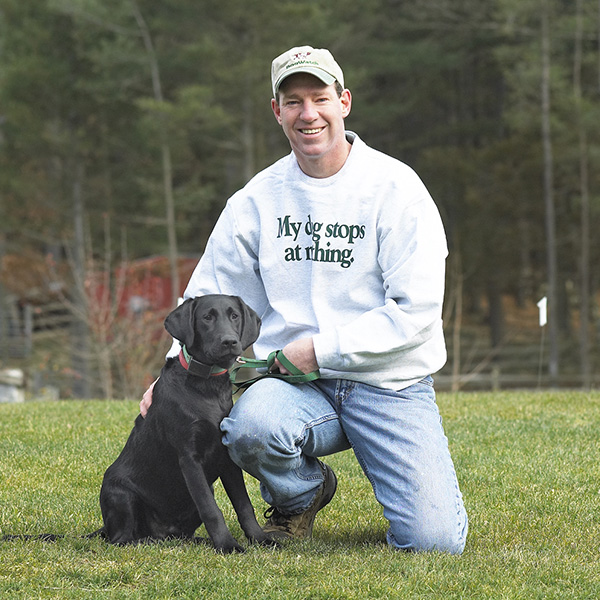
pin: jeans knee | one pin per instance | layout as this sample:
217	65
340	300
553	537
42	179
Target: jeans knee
255	435
242	439
448	537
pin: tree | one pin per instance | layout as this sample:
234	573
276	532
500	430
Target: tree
164	147
550	220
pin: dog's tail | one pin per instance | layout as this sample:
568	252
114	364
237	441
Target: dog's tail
50	537
98	533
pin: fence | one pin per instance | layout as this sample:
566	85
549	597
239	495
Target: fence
515	364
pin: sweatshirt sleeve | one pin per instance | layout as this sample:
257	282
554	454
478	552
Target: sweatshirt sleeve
411	256
229	264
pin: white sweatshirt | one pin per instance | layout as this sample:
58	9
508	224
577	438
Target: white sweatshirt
355	260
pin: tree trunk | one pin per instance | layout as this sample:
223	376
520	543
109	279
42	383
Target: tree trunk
165	154
525	286
495	312
248	139
549	197
584	307
80	328
458	313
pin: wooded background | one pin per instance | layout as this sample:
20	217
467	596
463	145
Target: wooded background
126	124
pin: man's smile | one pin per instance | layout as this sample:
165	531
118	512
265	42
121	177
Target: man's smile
311	131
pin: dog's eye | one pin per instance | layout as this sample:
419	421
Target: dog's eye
234	316
207	317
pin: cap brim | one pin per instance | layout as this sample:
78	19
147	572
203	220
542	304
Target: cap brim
324	76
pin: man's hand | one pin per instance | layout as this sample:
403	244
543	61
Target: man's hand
300	353
147	399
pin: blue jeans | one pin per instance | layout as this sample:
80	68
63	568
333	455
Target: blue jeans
277	430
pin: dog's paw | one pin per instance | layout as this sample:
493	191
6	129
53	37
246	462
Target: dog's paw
229	548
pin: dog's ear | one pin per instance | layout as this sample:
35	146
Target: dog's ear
180	322
250	326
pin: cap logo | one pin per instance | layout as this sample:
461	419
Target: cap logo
301	59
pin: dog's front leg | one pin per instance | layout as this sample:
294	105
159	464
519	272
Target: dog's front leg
209	512
233	482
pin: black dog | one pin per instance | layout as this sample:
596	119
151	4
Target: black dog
160	486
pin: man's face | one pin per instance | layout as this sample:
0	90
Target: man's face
312	117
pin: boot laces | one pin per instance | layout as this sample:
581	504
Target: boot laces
277	519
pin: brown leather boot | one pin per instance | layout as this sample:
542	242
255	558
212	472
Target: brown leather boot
281	526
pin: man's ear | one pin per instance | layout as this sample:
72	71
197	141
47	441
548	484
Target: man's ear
346	100
276	110
180	322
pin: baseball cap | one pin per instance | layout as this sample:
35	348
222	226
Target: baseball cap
306	59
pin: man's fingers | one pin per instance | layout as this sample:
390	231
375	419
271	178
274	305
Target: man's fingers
281	368
146	400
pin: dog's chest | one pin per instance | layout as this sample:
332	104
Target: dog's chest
206	439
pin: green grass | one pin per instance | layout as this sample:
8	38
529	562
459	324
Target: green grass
527	462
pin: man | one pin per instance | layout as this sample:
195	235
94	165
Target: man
341	251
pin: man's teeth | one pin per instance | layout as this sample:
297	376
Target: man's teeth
308	131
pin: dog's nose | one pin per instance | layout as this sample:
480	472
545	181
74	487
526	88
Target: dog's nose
228	343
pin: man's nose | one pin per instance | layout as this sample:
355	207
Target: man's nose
309	112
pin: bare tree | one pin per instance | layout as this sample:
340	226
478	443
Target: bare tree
80	329
548	180
584	338
167	168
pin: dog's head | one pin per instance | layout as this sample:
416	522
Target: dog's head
215	328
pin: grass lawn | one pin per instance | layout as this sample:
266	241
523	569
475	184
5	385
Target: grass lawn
529	469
